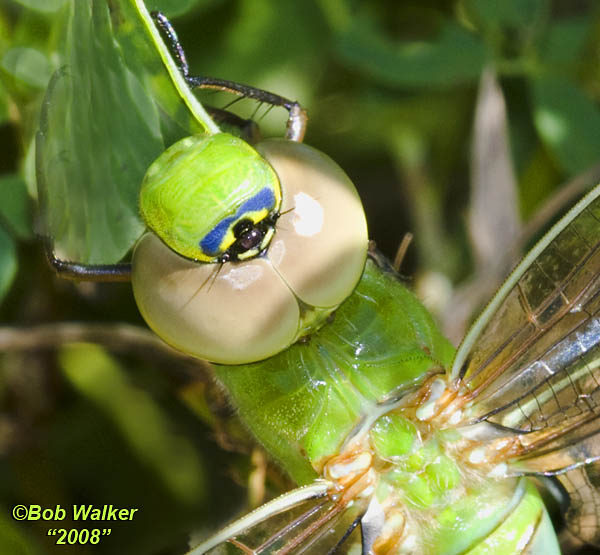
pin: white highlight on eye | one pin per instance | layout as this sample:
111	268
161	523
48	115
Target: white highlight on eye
243	277
308	215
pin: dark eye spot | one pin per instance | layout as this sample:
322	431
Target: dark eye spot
249	236
242	227
251	239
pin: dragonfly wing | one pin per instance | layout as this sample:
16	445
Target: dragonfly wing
305	520
529	360
530	365
583	512
572	454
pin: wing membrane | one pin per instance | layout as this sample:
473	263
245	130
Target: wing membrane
583	513
531	362
534	363
306	520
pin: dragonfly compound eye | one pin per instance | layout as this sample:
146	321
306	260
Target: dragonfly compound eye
250	309
196	193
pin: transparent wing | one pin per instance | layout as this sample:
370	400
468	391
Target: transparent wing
305	520
530	363
582	485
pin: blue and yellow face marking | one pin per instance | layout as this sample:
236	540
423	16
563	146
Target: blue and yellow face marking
216	242
211	198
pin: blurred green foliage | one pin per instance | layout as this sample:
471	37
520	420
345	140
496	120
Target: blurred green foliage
391	91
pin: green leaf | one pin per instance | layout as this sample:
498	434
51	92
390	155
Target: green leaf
564	40
111	109
15	207
507	13
47	6
174	8
4	100
567	121
27	65
510	28
455	56
8	261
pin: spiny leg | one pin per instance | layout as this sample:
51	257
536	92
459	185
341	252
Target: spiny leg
296	124
86	272
248	129
295	129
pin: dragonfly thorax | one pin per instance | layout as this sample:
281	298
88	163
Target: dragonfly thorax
434	485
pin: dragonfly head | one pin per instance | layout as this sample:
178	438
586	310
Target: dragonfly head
275	258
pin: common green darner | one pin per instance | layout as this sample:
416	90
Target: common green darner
424	449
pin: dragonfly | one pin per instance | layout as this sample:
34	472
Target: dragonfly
259	262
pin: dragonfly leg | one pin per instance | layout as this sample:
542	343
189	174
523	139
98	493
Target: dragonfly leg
86	272
249	130
296	124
